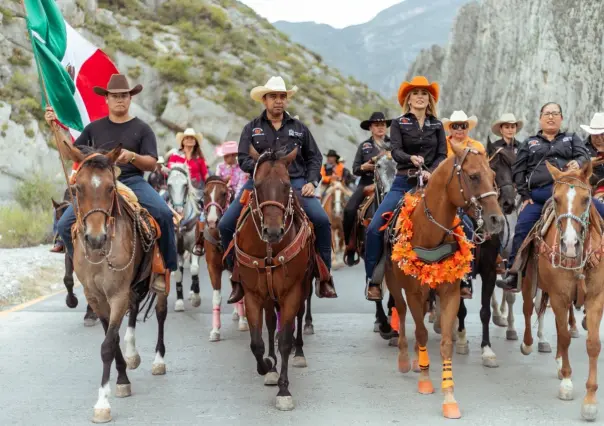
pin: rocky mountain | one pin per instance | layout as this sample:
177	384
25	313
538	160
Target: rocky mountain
197	61
380	51
516	55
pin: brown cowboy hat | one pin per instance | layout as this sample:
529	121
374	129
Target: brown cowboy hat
418	82
118	83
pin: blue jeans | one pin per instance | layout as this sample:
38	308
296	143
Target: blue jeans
468	230
55	230
150	200
531	214
311	205
374	239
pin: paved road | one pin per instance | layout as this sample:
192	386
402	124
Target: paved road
51	370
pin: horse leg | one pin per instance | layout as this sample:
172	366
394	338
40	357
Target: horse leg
241	311
462	347
572	322
90	317
215	272
543	345
509	298
71	300
194	296
437	327
526	347
254	312
498	314
589	409
272	377
560	308
309	328
133	359
289	309
179	305
450	300
161	312
416	306
299	360
489	359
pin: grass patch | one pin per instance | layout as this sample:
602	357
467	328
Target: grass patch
19	58
173	69
135	72
194	11
36	192
7	15
22	227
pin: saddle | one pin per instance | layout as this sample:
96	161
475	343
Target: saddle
369	190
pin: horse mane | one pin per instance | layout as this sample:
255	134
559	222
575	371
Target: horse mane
97	162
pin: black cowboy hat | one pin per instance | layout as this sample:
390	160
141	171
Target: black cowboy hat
332	153
376	117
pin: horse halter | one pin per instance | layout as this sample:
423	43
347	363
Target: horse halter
583	221
220	208
184	173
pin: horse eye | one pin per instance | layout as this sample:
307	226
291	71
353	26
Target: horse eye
475	178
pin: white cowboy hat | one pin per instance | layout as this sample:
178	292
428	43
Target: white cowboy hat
596	127
460	117
508	117
273	85
189	132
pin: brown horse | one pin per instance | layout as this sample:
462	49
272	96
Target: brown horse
568	269
275	261
334	202
464	180
216	197
111	261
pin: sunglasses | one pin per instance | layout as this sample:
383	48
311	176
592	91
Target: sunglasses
460	126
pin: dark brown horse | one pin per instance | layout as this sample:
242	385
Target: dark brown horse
275	260
111	260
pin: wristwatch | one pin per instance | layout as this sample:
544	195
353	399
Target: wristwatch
315	183
133	158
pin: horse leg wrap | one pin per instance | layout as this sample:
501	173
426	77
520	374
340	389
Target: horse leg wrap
447	374
216	301
424	359
278	322
240	309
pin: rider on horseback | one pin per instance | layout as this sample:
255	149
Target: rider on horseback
274	129
364	166
139	154
418	143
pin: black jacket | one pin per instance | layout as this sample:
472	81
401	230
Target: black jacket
598	172
365	152
408	139
494	146
530	171
260	133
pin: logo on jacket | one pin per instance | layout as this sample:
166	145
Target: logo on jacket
258	131
293	133
533	142
405	120
367	145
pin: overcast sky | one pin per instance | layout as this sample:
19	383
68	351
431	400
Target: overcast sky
337	13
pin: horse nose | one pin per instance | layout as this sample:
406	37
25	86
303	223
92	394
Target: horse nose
508	207
96	242
273	235
495	224
572	250
211	224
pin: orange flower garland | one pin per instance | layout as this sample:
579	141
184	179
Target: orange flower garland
449	270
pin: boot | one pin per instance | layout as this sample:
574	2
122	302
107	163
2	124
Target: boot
466	288
374	291
509	282
237	292
499	265
349	257
326	289
159	284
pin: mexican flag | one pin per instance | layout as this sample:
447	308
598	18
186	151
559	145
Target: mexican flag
68	65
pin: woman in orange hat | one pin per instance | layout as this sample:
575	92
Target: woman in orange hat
418	143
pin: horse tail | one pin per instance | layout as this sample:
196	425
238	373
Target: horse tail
543	305
150	298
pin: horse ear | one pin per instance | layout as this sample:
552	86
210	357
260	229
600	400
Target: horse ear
553	170
54	203
289	158
587	170
489	143
114	154
72	152
254	154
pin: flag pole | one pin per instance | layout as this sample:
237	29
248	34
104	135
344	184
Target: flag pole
53	126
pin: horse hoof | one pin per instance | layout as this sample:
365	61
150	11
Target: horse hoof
404	366
589	412
132	362
271	378
195	300
299	362
462	348
393	341
71	301
235	315
584	323
544	347
285	403
101	415
158	369
308	329
565	392
511	335
214	336
560	376
490	362
436	327
500	321
415	366
425	387
376	327
243	325
179	305
451	410
526	350
574	333
431	318
123	391
90	322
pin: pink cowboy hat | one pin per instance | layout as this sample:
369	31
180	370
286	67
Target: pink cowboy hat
227	148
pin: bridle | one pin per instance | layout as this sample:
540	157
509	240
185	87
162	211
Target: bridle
220	208
185	174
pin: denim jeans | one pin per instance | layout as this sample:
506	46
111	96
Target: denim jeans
150	200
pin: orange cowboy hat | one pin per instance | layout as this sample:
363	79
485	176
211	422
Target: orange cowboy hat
419	81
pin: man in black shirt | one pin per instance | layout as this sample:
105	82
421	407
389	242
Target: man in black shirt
139	154
273	129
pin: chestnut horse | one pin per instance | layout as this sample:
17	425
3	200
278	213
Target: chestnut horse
111	261
216	197
568	268
334	202
464	180
275	261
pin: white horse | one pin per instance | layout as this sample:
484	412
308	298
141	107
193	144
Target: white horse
183	197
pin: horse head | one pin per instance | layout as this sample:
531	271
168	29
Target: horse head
385	172
96	193
471	186
179	187
572	201
216	197
501	163
274	194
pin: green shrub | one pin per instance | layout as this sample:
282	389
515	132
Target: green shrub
30	133
21	227
36	192
173	69
237	102
19	58
135	72
161	106
7	15
194	11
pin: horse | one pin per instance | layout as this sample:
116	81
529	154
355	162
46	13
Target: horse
567	267
275	262
216	197
182	195
71	300
112	258
463	180
334	202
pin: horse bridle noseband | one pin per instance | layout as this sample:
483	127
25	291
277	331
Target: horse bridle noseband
221	209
